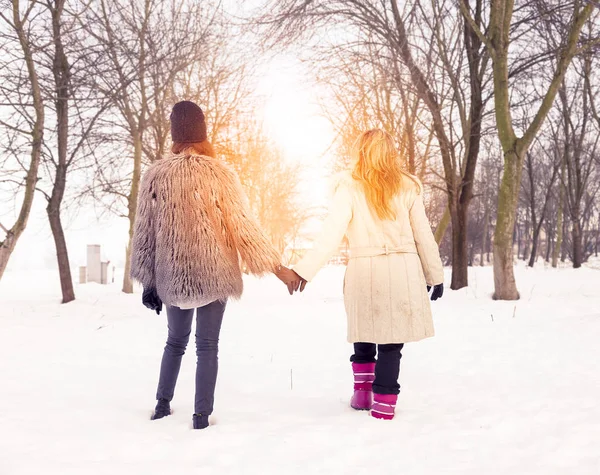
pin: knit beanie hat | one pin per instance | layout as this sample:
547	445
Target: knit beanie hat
187	123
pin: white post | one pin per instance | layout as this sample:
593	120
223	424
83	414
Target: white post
94	266
104	276
82	274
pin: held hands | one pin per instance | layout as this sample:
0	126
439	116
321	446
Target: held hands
151	300
292	280
438	291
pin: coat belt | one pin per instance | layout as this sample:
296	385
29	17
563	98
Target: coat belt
382	251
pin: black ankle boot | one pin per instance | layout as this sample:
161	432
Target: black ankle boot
163	409
200	421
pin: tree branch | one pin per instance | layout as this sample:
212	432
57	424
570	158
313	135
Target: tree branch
586	46
561	70
13	128
469	19
46	195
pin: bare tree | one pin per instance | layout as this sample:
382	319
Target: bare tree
61	70
497	39
580	188
486	192
539	180
73	110
24	133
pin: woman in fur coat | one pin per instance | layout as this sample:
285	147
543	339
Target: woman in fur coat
394	260
193	227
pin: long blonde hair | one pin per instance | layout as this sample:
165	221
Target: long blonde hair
379	169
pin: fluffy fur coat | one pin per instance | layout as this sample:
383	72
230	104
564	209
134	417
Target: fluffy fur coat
193	226
391	262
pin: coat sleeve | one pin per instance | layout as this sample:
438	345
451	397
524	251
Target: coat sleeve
334	229
143	246
427	248
254	247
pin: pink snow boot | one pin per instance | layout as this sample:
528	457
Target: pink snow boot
384	406
364	375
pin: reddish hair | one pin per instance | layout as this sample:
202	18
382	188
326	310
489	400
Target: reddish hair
201	148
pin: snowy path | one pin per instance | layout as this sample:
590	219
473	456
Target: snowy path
501	389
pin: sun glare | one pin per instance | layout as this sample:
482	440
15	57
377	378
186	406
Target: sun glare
293	119
292	114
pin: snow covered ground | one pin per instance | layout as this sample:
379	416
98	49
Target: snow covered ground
504	387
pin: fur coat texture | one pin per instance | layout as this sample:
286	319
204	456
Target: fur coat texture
391	262
193	231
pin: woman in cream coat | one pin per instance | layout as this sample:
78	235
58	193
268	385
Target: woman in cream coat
394	260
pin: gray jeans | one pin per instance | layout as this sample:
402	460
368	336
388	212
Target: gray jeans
208	327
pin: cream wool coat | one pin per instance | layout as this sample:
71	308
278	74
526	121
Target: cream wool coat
391	262
192	231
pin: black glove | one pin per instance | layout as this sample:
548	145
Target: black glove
438	291
151	300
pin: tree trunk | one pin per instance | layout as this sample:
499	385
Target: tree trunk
534	246
559	225
517	238
504	277
53	211
489	247
409	134
484	234
563	247
6	249
442	227
526	238
64	268
471	254
132	209
597	239
460	250
577	244
61	72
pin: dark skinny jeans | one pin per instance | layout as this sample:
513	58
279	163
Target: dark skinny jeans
387	367
208	327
